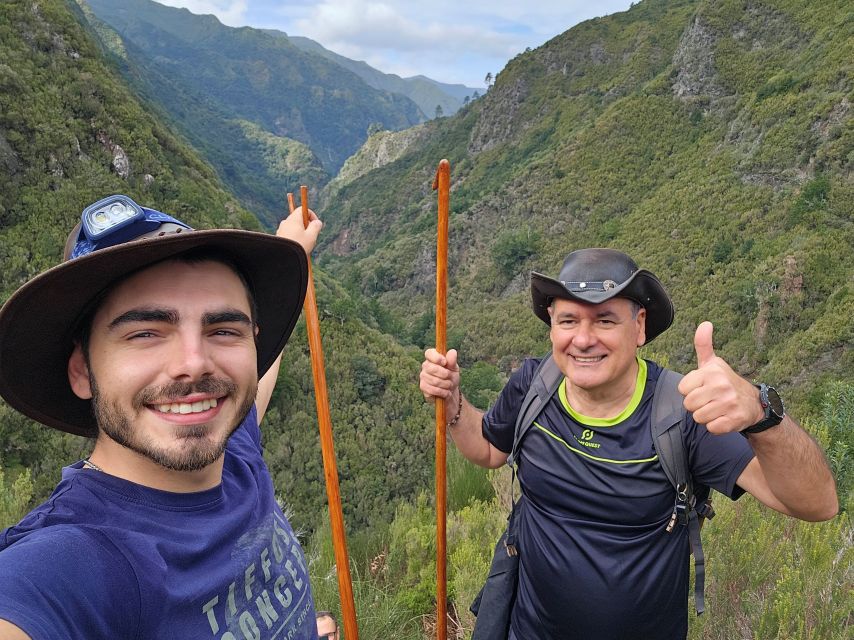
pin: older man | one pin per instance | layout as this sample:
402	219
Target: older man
596	558
151	337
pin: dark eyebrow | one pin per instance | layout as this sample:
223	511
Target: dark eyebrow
224	317
570	315
171	316
145	315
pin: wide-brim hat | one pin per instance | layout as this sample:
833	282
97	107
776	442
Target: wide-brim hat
37	322
596	275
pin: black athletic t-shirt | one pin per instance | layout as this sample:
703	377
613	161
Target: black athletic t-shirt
596	561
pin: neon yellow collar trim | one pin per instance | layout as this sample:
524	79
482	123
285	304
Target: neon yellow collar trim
640	386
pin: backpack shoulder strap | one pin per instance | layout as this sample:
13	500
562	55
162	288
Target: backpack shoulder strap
668	415
545	382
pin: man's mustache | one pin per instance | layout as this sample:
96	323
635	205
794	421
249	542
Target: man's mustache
170	392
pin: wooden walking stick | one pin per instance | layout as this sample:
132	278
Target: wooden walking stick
327	447
443	184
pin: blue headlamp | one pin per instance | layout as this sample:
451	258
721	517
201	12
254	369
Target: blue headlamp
117	219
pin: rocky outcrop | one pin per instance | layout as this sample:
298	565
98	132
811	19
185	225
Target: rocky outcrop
695	61
498	122
120	163
8	158
838	114
380	149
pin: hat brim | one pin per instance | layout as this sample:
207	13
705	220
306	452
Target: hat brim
642	287
37	321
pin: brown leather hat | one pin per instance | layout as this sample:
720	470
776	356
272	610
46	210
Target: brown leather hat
37	321
597	275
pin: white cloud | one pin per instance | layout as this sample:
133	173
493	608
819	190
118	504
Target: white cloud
382	25
230	12
445	39
448	40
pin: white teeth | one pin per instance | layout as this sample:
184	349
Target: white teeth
185	407
580	359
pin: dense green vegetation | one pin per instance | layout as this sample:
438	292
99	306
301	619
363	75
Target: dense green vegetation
712	140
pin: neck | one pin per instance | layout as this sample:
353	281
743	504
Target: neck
604	403
117	460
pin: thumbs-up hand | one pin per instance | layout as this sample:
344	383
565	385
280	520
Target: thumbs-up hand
716	395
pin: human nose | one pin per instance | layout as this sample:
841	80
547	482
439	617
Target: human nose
584	337
191	358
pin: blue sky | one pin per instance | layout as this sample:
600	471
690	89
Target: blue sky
455	41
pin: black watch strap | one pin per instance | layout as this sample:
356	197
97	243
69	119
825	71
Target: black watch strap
774	410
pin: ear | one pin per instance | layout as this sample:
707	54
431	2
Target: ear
78	374
641	320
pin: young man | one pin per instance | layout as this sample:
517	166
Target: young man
596	559
151	337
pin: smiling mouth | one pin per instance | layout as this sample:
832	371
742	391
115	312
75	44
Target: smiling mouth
587	359
186	407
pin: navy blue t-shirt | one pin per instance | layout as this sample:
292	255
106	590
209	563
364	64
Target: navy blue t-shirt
596	561
107	558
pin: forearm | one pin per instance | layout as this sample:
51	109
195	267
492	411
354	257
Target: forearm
467	435
266	385
795	472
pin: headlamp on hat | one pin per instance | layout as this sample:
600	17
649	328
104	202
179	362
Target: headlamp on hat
117	219
109	215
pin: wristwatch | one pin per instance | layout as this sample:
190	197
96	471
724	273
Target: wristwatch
774	410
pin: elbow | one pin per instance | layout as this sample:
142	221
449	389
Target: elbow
489	461
831	510
491	458
826	510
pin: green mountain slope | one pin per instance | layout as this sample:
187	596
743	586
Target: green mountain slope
710	141
206	78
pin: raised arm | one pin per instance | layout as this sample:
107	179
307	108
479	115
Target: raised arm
440	379
789	473
291	228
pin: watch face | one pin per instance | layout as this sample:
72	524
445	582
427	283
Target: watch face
775	403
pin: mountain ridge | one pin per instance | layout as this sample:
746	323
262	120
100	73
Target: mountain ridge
204	77
425	92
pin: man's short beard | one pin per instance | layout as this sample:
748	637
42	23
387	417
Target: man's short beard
196	452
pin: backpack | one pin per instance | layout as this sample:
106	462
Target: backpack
692	504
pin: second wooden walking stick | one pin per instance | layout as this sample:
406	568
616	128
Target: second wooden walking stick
327	447
442	183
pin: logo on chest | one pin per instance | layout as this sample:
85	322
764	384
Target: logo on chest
586	439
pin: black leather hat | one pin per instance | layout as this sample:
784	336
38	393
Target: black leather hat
597	275
37	321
